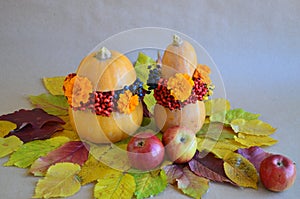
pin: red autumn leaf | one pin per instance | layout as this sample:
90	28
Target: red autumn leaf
173	172
28	133
255	155
33	124
209	167
74	151
37	118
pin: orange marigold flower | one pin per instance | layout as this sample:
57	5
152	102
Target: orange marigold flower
77	89
202	71
181	86
127	102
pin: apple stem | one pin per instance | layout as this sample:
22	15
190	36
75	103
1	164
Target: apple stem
182	139
140	143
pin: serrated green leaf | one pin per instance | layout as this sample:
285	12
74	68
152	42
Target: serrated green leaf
240	114
150	101
9	145
216	105
150	183
6	127
31	151
115	185
54	84
240	170
52	104
141	67
253	127
60	181
192	185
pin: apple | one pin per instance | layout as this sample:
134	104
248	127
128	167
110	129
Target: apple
180	144
277	173
145	151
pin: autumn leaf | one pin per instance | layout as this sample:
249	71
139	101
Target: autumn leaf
173	172
255	155
31	151
52	104
6	127
150	101
67	125
150	184
253	140
72	135
9	145
253	127
60	181
209	167
74	152
37	118
192	185
216	131
216	105
92	170
228	116
115	185
54	84
114	155
240	170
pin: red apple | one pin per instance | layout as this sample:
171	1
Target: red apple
277	173
145	151
180	143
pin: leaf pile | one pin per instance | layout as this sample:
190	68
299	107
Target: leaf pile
43	140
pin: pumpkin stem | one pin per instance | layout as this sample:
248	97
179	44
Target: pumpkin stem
103	54
177	41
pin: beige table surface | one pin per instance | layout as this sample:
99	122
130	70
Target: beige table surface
255	45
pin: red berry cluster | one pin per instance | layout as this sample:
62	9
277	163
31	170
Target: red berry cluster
163	95
100	103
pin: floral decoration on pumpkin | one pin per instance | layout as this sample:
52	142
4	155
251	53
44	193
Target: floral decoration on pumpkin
180	86
203	71
127	102
77	89
81	97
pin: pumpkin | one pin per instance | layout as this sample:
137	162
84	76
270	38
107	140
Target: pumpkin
179	57
107	71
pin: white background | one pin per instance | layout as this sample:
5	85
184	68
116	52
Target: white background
255	45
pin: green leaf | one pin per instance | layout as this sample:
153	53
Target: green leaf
150	183
6	127
115	185
150	101
240	170
192	185
215	131
9	145
60	181
31	151
54	84
240	114
52	104
216	105
253	127
141	67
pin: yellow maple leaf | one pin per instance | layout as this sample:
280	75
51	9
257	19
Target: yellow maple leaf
60	181
254	140
54	84
9	145
240	170
6	127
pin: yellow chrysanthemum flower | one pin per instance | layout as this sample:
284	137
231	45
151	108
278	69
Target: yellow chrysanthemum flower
181	86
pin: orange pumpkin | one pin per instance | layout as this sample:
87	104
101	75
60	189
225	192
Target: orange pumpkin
107	71
179	57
